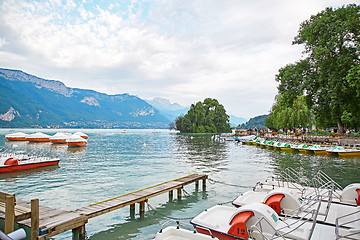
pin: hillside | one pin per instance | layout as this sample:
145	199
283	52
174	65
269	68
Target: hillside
29	101
258	122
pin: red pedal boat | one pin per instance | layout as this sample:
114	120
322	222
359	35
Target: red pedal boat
12	163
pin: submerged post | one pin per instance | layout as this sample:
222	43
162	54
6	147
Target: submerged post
170	195
79	233
179	193
9	213
34	219
204	182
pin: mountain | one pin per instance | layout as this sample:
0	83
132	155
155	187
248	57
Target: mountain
258	122
236	121
30	101
170	110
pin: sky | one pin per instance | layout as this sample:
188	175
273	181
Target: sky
182	50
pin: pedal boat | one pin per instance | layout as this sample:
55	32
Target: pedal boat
176	233
18	136
258	221
344	152
38	137
59	138
76	141
14	163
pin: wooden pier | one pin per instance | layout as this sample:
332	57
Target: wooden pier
45	222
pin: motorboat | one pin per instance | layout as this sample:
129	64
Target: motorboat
19	162
17	136
38	137
76	141
59	138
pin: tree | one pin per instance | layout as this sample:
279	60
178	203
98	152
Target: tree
288	115
332	42
209	116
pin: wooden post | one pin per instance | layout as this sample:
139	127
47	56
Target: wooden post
79	233
179	193
9	213
142	206
204	183
197	185
34	219
132	211
171	195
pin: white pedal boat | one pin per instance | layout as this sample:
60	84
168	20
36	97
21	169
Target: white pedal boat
288	202
259	221
176	233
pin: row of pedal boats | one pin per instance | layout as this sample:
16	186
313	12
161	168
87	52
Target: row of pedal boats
281	207
305	148
77	139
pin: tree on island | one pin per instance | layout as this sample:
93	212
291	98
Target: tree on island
328	78
204	117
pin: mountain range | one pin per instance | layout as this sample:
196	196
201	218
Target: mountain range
30	101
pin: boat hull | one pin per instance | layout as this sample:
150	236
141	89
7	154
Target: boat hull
16	138
58	141
38	139
76	144
216	234
21	167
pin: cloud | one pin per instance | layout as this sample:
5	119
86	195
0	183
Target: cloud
183	50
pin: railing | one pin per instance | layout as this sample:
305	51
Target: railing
282	232
349	233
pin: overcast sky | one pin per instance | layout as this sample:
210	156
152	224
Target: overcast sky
182	50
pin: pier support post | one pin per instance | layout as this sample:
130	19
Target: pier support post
197	185
204	183
132	211
79	233
34	219
179	193
142	206
9	213
170	195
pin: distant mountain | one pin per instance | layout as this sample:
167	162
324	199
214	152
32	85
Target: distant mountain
30	101
236	121
170	110
258	122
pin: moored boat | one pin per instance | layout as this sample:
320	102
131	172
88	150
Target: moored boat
259	221
316	149
344	152
76	141
15	162
38	137
59	138
18	136
81	134
176	233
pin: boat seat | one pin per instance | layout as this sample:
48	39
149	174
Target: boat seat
358	199
274	202
238	227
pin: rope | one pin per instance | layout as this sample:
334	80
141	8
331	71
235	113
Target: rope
212	181
171	218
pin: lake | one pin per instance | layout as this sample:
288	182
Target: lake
114	163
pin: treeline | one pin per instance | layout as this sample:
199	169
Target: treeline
324	87
208	116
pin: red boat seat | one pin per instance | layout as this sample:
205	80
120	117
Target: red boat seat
11	161
238	227
358	200
274	202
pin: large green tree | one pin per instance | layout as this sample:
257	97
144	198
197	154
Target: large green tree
329	75
208	116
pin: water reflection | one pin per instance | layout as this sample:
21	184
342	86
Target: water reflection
201	152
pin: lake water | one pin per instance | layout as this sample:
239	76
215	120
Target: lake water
114	164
